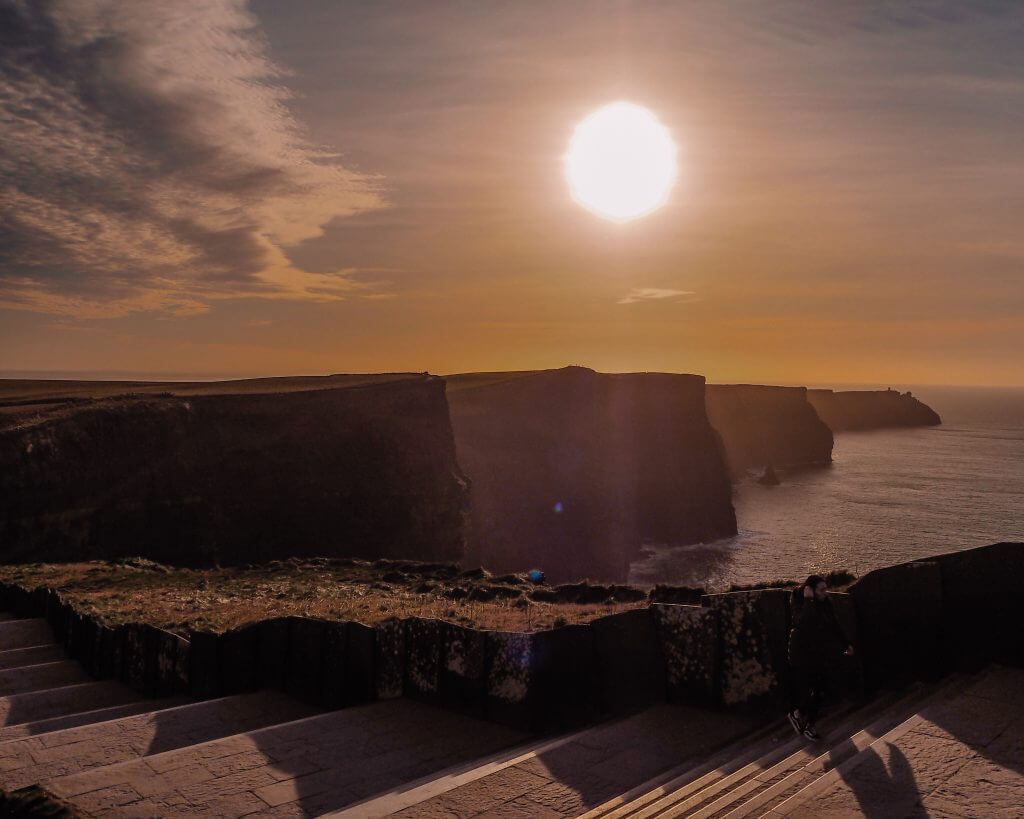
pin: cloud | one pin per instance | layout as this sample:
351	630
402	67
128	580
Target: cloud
638	294
151	162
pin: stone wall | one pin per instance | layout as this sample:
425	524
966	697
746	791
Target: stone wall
953	611
913	620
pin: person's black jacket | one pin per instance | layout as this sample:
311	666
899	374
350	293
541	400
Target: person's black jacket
816	639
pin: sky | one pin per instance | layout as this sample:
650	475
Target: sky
222	188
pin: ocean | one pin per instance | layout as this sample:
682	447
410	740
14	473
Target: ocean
889	496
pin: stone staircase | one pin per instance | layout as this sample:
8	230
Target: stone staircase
104	750
849	771
922	746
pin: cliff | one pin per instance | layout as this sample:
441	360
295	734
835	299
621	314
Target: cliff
871	409
570	470
231	472
767	426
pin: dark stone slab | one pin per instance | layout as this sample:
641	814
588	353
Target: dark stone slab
688	636
334	665
60	612
204	665
567	679
899	613
752	644
422	680
463	669
74	635
180	673
239	659
163	677
40	601
88	643
389	658
981	606
133	669
360	674
303	677
111	652
510	677
272	652
629	661
54	612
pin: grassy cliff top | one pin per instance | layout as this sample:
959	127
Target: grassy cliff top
179	600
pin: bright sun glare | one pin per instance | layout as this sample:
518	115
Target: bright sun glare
621	162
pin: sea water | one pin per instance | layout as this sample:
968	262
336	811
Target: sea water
889	496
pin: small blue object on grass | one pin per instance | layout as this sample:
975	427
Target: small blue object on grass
535	575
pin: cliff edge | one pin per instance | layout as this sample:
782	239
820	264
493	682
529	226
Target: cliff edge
230	472
871	409
570	469
763	426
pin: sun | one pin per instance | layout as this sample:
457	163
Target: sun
621	162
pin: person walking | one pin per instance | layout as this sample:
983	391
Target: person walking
816	642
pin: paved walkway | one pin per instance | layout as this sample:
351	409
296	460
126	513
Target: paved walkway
301	768
40	759
960	757
565	777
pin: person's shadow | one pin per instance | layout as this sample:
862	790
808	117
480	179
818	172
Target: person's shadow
966	755
884	790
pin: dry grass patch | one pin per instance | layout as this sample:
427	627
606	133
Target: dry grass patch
181	600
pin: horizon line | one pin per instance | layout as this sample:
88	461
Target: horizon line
158	376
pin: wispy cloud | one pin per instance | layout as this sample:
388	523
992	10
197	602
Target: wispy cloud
638	294
151	162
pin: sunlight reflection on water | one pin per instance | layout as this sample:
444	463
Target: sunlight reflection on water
888	497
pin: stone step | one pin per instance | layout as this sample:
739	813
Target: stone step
652	789
442	782
31	655
300	768
787	781
803	801
756	795
690	792
24	633
685	780
722	795
45	726
567	775
38	759
40	676
62	701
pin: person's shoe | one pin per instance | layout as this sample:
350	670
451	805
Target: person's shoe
794	720
808	732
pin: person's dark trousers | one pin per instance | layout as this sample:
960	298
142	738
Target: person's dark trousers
807	690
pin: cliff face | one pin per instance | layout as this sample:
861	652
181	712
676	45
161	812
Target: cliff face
571	469
871	409
354	468
762	426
